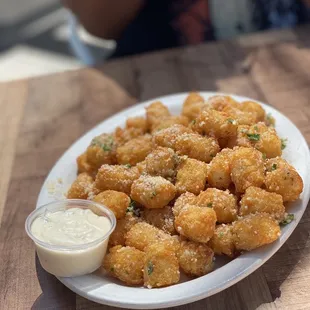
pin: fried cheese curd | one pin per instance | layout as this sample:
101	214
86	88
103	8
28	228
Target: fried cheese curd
255	230
81	187
259	200
185	188
125	263
152	192
195	259
161	266
117	202
283	179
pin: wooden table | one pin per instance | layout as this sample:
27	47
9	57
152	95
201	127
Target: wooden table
41	117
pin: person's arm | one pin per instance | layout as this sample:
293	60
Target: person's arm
105	18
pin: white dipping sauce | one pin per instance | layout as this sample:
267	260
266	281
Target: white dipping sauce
73	228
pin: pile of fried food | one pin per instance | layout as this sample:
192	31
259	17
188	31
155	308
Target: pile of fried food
210	181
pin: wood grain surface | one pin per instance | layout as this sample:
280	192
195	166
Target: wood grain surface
41	117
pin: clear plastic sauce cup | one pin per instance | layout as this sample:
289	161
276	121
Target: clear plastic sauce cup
71	260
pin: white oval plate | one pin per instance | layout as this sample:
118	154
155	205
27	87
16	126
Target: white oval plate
108	291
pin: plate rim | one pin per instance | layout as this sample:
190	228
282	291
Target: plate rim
194	297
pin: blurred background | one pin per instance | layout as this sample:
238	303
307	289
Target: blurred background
41	36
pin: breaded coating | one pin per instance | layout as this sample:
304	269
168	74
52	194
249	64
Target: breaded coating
195	259
134	151
161	218
170	121
255	230
254	108
247	168
102	150
116	177
261	137
258	200
155	112
167	137
191	176
222	202
125	264
124	135
161	266
241	117
123	225
195	146
162	162
196	223
222	242
283	179
216	124
182	201
192	105
141	235
137	122
219	102
81	187
152	192
117	202
219	170
84	166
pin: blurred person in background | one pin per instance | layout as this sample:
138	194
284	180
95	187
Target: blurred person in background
145	25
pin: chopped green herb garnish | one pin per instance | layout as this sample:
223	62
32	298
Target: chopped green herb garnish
274	167
153	194
133	209
209	205
221	234
270	120
231	121
150	268
264	155
283	143
253	136
193	122
107	146
256	128
128	165
288	219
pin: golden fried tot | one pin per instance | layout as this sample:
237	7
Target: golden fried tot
222	202
182	201
254	108
161	218
216	124
192	105
123	225
137	122
283	179
134	151
219	170
152	192
117	202
167	137
195	146
125	264
162	162
124	135
116	177
195	259
84	166
247	168
219	102
241	117
191	176
142	234
102	150
161	266
258	200
222	242
81	187
155	112
255	230
170	121
196	223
